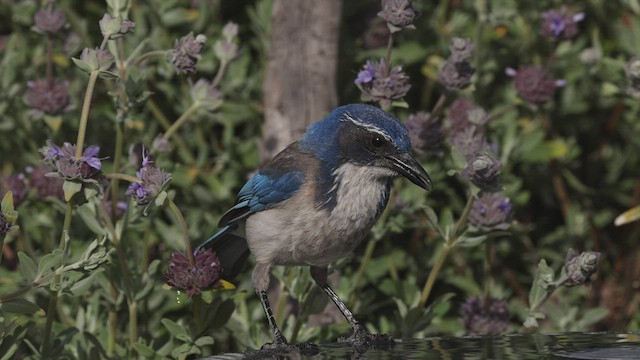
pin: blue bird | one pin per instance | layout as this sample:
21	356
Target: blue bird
315	201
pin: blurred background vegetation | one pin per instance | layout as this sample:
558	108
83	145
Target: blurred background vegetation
570	166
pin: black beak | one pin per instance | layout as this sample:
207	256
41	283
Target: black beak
408	167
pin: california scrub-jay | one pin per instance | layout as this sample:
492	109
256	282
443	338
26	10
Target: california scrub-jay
316	200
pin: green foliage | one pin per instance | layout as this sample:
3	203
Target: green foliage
570	167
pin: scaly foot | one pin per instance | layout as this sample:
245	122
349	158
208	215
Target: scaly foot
361	338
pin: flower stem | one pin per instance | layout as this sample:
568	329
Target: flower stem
125	177
448	245
146	55
183	226
388	56
182	119
220	73
53	301
84	116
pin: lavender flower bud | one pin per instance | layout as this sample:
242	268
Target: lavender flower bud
469	142
399	14
230	31
209	97
49	21
457	72
484	170
51	97
534	84
484	317
559	25
464	113
379	86
425	132
186	53
205	271
491	211
580	267
113	28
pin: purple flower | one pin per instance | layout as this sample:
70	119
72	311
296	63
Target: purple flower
399	14
205	271
49	21
464	113
484	317
456	72
186	53
425	131
483	170
491	211
49	96
580	267
152	181
534	84
559	25
67	165
16	184
380	84
45	186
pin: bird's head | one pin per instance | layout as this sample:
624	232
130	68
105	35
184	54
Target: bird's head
367	136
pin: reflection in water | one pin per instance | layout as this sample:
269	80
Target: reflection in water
586	346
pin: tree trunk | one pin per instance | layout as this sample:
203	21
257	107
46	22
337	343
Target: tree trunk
300	81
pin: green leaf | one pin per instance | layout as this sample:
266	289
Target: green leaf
204	341
49	263
27	267
542	279
225	310
470	241
21	306
71	188
144	350
433	219
176	330
161	198
89	217
81	286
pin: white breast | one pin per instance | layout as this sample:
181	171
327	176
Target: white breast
296	232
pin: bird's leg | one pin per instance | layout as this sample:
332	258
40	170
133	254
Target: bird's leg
360	337
260	279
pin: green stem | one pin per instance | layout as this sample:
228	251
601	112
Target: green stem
388	55
113	322
221	70
198	315
368	253
125	177
139	59
448	245
177	140
133	327
182	119
117	158
84	115
53	301
183	226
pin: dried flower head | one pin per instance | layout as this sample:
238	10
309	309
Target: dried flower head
483	170
186	53
425	131
16	183
382	85
534	84
67	165
49	20
469	141
580	267
152	181
491	211
457	72
45	186
113	28
559	24
484	317
399	14
205	271
51	97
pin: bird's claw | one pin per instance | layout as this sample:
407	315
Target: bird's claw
280	345
361	338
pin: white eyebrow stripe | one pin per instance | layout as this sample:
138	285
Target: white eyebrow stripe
368	127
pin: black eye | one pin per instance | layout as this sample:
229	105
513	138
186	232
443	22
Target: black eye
377	141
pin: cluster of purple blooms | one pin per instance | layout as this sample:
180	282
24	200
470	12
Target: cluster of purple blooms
193	278
151	182
67	166
485	316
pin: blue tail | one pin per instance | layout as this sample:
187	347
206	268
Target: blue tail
231	249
